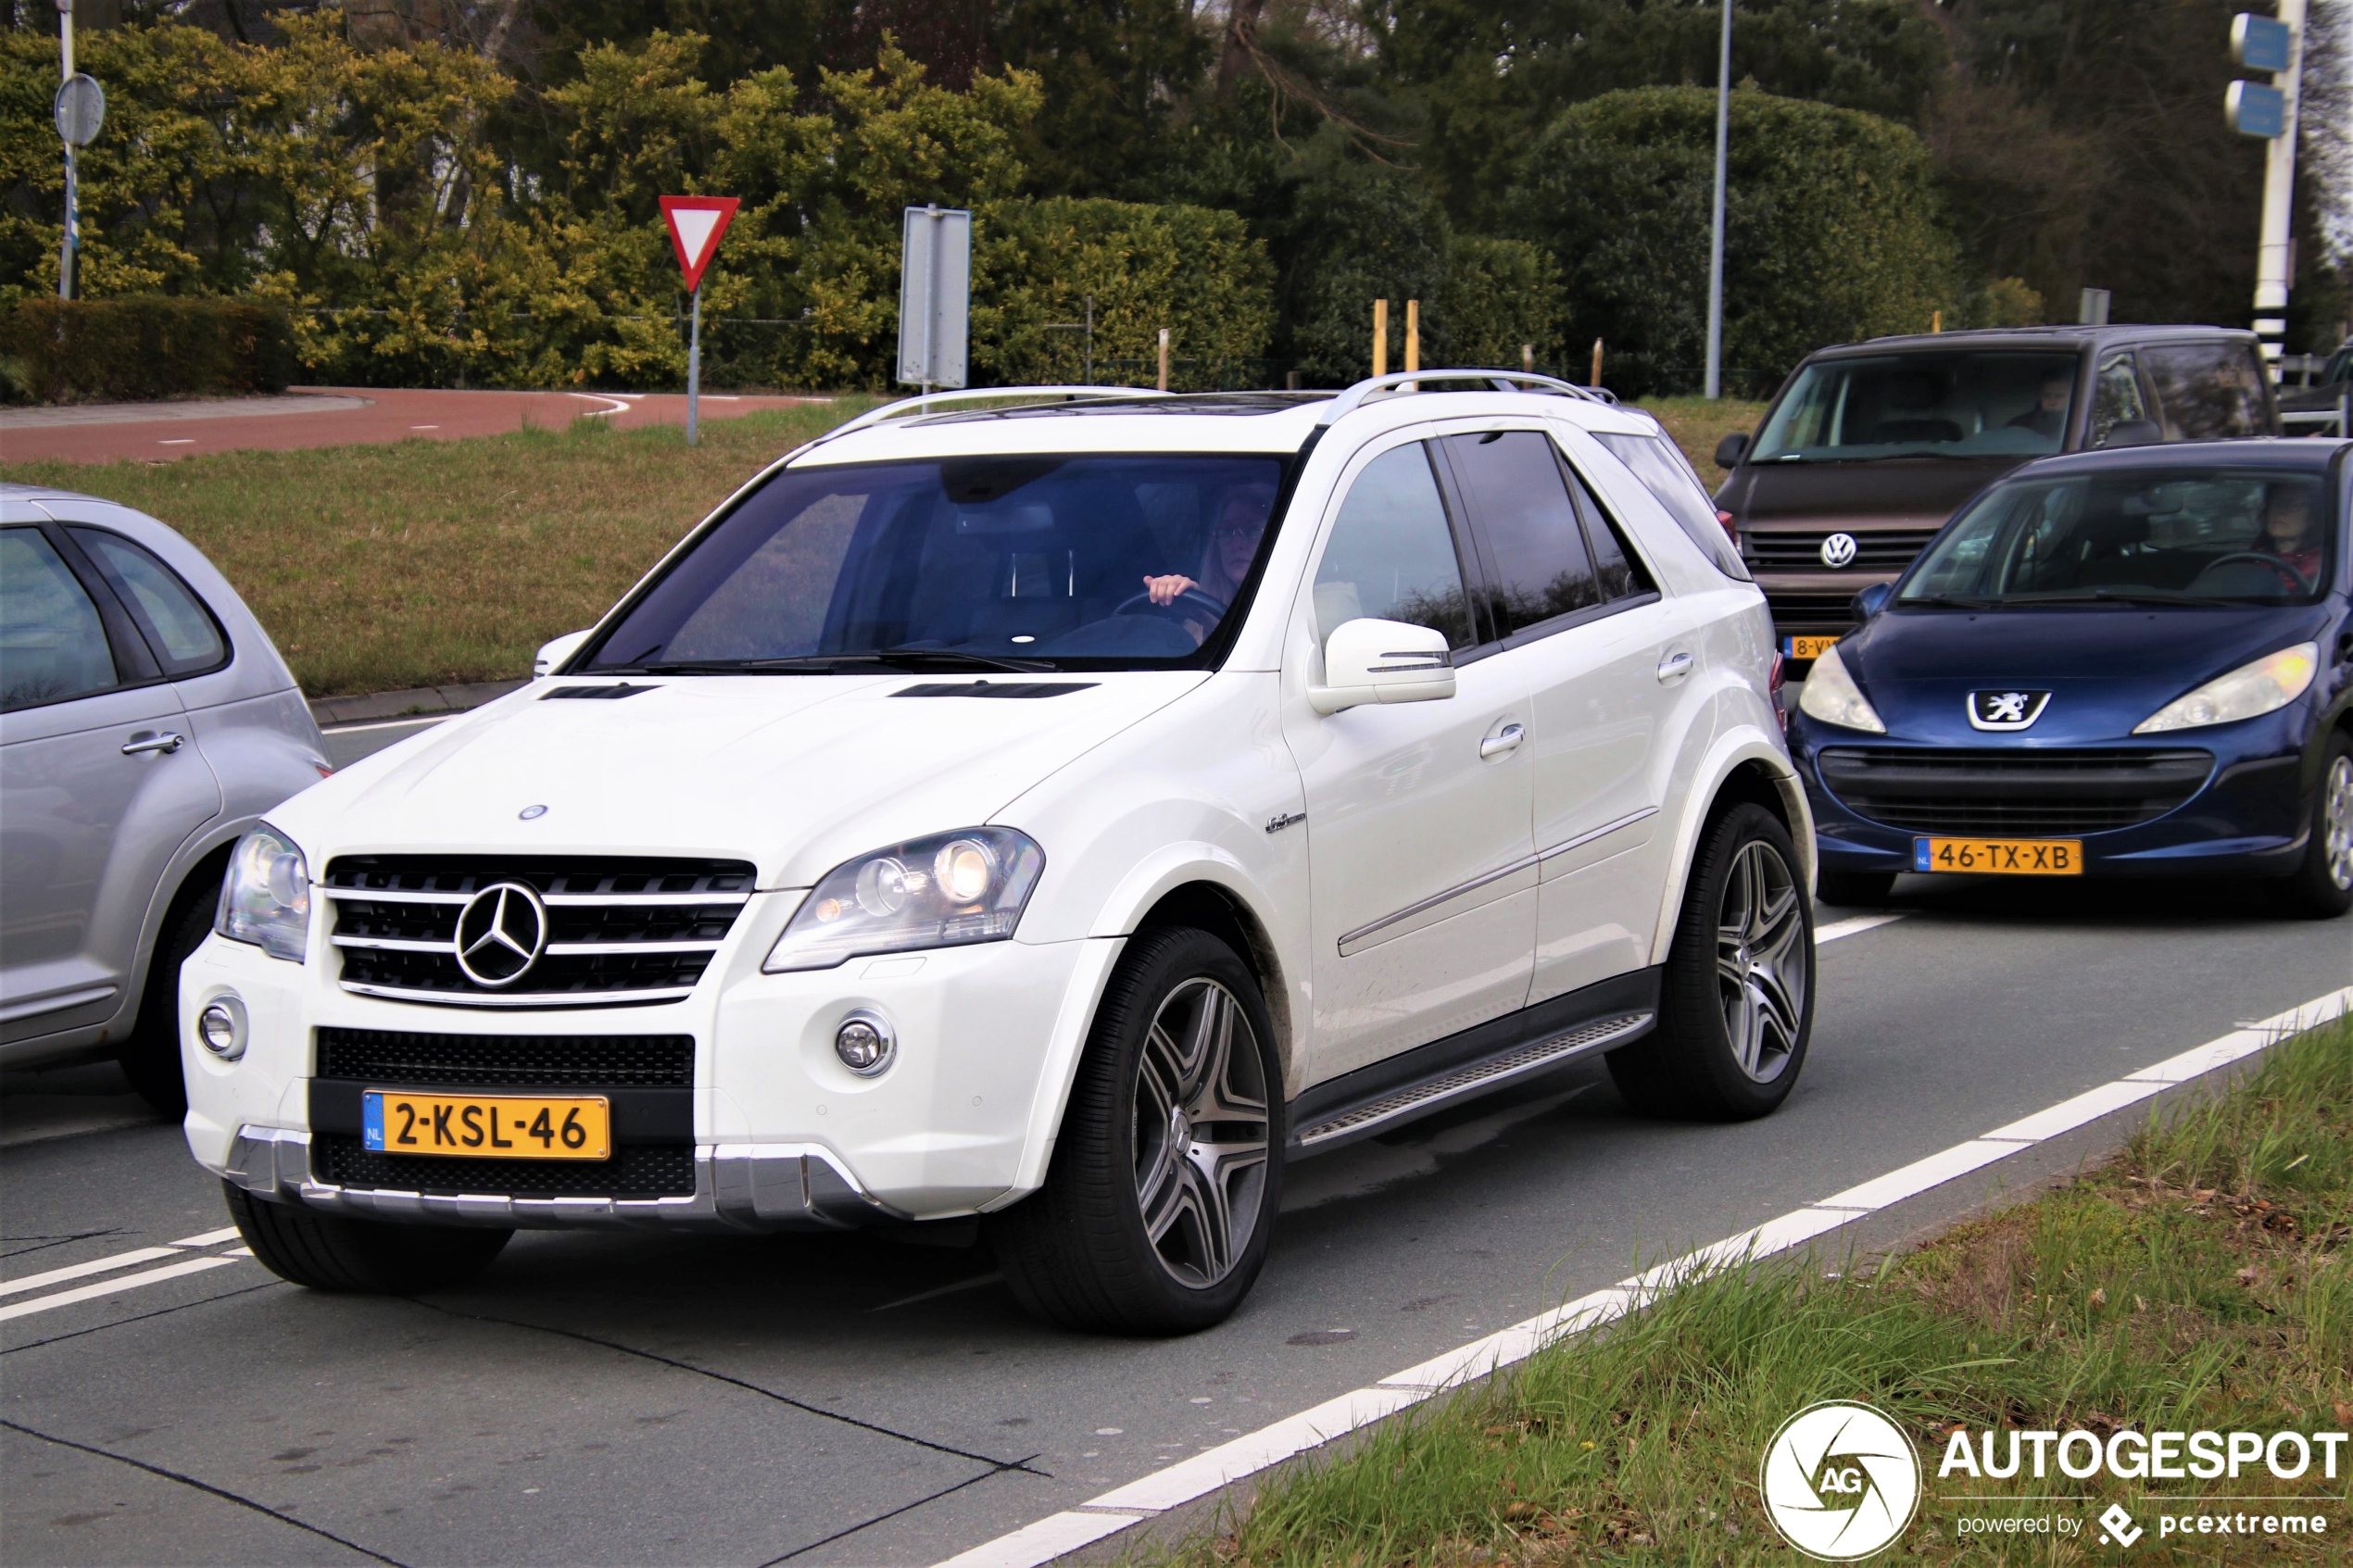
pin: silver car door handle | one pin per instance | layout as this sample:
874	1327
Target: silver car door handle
1505	739
166	743
1674	666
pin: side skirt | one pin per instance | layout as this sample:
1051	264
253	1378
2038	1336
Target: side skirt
1478	1060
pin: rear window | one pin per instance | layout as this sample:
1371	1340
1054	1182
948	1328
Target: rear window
1660	466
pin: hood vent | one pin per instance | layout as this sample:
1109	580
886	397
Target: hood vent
595	694
995	689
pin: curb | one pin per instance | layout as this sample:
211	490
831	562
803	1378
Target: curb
328	712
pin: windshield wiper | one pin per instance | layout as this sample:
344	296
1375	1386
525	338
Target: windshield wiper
2123	596
956	658
827	663
1942	602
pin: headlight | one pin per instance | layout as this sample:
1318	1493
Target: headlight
2248	692
266	899
1832	697
940	892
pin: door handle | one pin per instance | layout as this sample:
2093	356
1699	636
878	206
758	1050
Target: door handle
1504	740
1674	666
166	743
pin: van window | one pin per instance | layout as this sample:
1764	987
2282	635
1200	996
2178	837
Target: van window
2115	398
2207	391
1391	553
1927	402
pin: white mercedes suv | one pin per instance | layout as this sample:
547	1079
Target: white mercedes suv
1065	813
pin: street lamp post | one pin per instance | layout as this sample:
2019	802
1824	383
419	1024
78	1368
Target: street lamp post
1716	229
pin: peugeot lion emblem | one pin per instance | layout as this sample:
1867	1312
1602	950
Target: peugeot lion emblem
502	933
1837	551
2006	709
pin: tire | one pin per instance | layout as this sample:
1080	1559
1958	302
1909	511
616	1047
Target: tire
2322	889
151	1057
365	1257
1736	1004
1856	890
1126	1235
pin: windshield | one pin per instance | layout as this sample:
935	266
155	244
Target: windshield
1934	403
2163	535
1033	562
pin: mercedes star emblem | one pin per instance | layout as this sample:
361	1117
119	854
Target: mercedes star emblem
1837	551
502	933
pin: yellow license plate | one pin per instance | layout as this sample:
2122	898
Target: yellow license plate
1807	647
2000	856
487	1127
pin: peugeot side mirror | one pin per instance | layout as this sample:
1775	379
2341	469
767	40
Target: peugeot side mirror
551	655
1368	660
2134	432
1872	600
1729	450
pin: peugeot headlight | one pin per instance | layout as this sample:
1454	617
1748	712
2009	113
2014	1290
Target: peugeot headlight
1831	696
970	886
266	899
2248	692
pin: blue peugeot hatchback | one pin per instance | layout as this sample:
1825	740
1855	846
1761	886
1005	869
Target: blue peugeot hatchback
2129	662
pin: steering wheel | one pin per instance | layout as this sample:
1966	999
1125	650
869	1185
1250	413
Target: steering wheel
1190	604
2294	578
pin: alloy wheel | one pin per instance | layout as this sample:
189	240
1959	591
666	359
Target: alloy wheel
2336	820
1200	1132
1761	961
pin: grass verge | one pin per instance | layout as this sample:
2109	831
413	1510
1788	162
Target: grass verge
2202	1280
429	562
1697	425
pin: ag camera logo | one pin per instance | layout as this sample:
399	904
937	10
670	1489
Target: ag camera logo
1840	1481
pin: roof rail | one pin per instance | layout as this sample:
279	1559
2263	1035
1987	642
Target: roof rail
925	403
1502	381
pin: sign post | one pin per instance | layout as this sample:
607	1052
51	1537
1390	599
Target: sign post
79	110
2264	44
935	297
696	223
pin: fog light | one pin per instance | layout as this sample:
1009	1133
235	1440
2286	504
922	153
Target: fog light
864	1044
221	1028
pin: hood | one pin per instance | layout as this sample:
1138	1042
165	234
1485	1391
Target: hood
1912	492
795	774
2106	667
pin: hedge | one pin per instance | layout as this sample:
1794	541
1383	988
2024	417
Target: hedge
146	346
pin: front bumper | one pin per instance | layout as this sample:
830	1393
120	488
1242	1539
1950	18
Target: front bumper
777	1135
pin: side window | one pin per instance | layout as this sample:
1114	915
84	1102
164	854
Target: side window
1671	480
182	632
1391	553
1537	562
2207	391
53	645
1618	569
2115	398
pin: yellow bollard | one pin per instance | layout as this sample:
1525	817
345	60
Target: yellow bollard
1164	358
1597	363
1380	337
1412	334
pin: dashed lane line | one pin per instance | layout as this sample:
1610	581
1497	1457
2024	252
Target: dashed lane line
109	1287
83	1270
1140	1500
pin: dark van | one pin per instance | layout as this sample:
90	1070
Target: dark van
1869	446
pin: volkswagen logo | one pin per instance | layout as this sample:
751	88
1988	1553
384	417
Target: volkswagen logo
1837	551
502	933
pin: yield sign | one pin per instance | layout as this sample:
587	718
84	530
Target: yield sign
696	223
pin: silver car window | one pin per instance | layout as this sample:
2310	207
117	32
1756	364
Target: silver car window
1666	476
170	617
53	645
1391	555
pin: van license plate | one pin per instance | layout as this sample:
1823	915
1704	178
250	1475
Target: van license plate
1807	647
487	1127
2000	856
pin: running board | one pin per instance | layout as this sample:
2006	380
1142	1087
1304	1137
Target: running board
1465	1083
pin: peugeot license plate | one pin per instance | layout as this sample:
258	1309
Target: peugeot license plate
1807	647
2000	856
487	1127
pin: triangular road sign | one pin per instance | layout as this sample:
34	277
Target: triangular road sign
696	223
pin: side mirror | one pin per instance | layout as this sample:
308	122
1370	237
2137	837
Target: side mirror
1872	600
2134	432
1368	660
551	655
1729	450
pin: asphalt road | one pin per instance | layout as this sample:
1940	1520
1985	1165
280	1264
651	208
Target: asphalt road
642	1399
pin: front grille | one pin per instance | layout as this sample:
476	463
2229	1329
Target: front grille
617	930
504	1061
1826	611
1890	551
634	1170
2029	794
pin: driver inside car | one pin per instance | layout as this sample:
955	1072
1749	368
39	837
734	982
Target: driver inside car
1233	545
2291	533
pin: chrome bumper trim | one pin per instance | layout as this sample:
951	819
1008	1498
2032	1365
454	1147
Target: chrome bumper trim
738	1186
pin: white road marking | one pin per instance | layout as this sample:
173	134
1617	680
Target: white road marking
107	1287
78	1271
618	406
179	441
209	1239
386	723
1039	1543
1854	926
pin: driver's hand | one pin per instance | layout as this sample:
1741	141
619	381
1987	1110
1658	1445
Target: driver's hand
1164	590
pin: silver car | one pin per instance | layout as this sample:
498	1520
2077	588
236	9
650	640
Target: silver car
145	721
